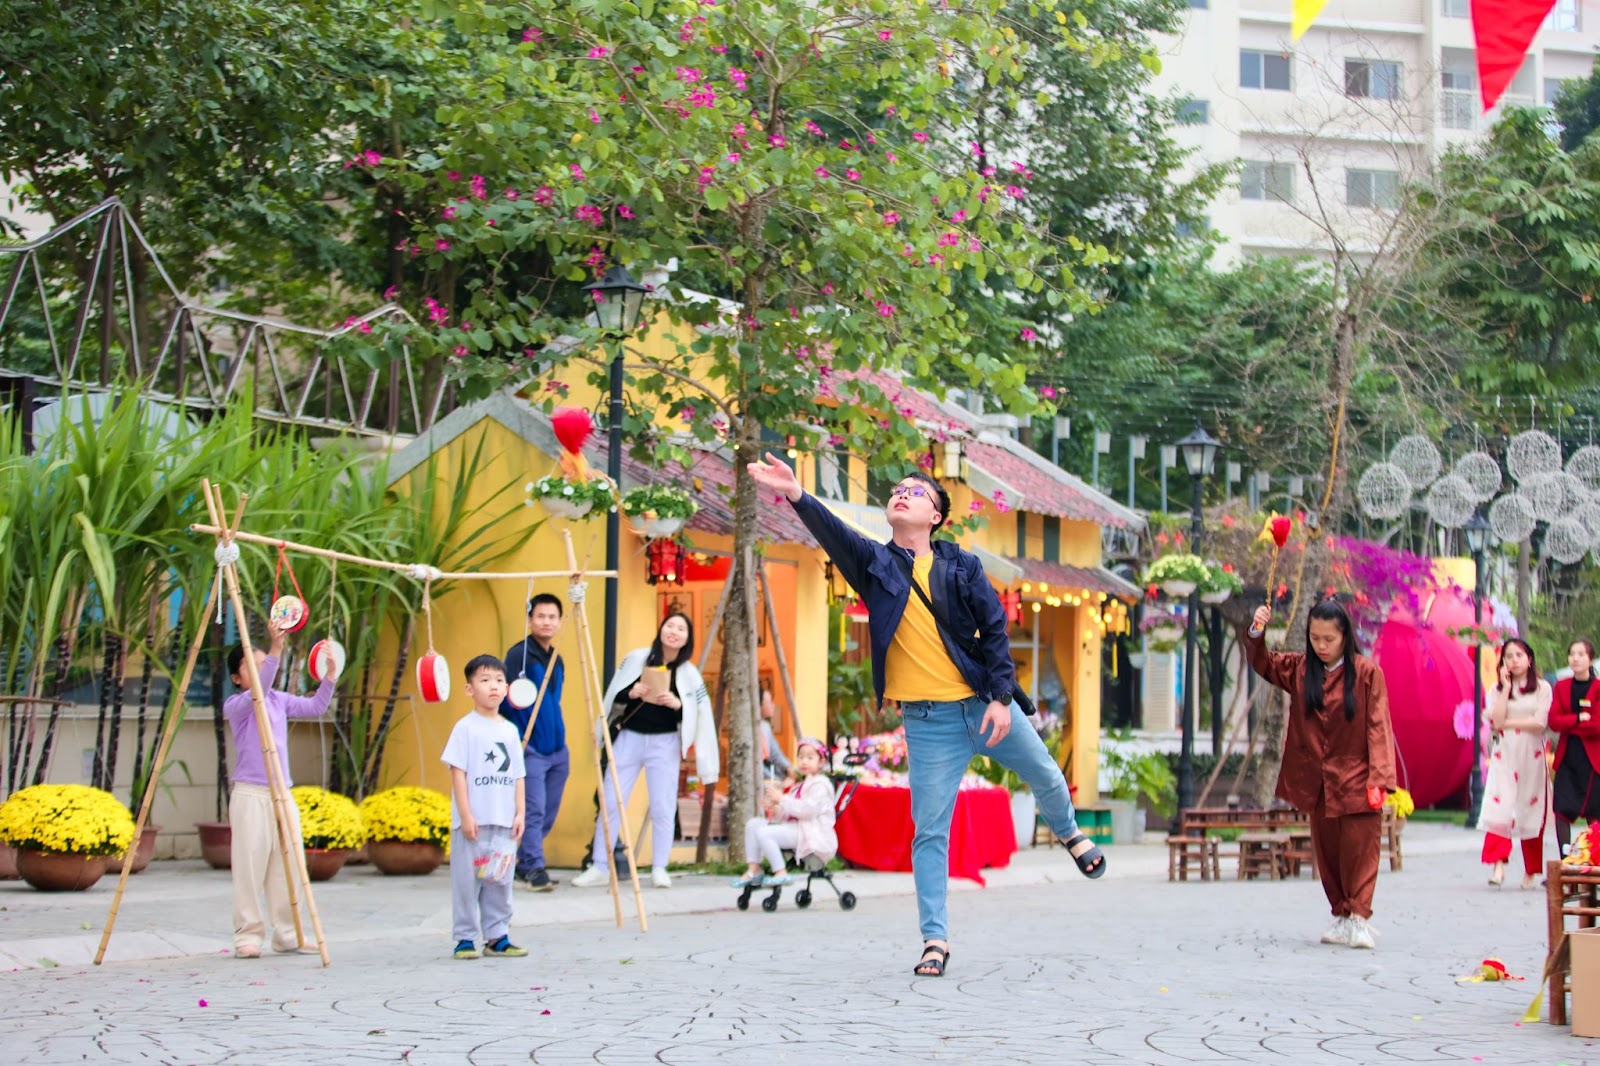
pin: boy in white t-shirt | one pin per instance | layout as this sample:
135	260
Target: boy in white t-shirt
484	754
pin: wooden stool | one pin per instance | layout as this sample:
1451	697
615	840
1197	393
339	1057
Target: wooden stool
1199	852
1389	842
1262	853
1299	853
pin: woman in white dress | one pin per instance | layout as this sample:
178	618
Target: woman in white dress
1516	793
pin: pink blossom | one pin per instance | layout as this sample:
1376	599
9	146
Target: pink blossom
884	35
959	216
595	259
925	460
983	195
1023	170
371	158
778	140
448	213
1000	503
436	310
459	352
636	70
891	217
885	310
624	211
686	33
1047	391
707	176
688	75
705	96
543	195
441	245
949	239
720	49
738	77
827	289
687	414
812	128
391	292
577	171
852	175
452	175
846	145
733	157
973	244
1016	192
738	130
594	116
364	327
511	194
977	149
975	506
589	213
488	222
935	259
1028	335
920	137
988	172
871	139
821	172
532	34
891	110
908	252
834	440
479	187
891	157
599	51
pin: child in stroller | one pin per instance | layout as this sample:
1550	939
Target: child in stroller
801	821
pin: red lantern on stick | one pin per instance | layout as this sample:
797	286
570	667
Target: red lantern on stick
1011	600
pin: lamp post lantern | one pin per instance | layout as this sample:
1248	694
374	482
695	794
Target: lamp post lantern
1477	533
618	302
1199	454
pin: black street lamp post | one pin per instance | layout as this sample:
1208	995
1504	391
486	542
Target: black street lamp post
618	301
1199	453
1477	532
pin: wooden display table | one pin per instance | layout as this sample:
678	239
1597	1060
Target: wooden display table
1570	892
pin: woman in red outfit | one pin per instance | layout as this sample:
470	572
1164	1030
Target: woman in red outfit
1516	790
1338	757
1572	715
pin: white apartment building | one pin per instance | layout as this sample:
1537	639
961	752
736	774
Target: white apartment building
1327	128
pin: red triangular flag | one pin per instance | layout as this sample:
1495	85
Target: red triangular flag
1504	29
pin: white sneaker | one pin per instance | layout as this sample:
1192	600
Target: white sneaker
1338	932
1361	934
594	875
660	879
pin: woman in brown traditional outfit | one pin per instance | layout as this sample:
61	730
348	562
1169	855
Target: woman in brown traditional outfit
1338	757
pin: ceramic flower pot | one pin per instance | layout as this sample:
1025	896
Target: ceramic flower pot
60	871
562	507
323	863
405	857
142	854
8	863
1178	589
216	844
661	527
1214	598
1166	634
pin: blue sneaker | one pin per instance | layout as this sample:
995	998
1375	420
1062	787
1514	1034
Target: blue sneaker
465	949
774	880
747	881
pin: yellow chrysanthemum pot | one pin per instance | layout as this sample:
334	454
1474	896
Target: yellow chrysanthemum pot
408	829
64	834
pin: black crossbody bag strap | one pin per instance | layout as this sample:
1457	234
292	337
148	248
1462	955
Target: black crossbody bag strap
968	645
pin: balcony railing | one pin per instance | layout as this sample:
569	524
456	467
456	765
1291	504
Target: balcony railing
1458	109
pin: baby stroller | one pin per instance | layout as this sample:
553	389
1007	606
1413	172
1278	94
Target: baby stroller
816	866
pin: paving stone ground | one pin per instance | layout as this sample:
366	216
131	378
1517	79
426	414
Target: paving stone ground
1046	968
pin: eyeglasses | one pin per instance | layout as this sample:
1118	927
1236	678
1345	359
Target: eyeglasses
908	490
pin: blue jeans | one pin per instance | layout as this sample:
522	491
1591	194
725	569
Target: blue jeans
547	779
941	739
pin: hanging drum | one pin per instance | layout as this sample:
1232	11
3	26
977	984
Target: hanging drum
326	661
522	693
289	612
433	678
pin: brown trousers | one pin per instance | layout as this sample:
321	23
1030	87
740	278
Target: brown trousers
1347	859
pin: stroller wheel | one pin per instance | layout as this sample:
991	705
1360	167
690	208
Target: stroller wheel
802	898
744	901
770	904
848	901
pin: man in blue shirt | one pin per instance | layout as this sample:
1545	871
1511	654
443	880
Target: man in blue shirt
545	757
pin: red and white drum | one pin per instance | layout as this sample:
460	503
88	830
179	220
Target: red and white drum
290	611
522	693
326	661
433	678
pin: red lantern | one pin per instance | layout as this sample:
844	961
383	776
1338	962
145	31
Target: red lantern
666	560
1011	600
856	612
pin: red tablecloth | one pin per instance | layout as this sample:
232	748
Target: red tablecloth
875	830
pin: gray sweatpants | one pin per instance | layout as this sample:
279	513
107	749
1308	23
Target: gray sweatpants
472	899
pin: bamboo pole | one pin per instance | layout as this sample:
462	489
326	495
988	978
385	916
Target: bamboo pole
549	671
294	859
708	789
148	799
384	564
591	685
783	659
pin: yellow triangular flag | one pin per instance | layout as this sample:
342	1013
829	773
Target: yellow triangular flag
1305	13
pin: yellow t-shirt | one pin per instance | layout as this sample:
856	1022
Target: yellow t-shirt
918	667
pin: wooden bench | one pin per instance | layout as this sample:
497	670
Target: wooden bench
1199	852
1571	892
1263	853
1300	853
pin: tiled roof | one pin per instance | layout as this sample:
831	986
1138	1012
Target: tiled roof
1062	576
707	476
1041	491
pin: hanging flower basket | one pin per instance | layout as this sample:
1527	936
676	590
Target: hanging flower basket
1178	575
1215	597
658	510
569	499
1220	584
1165	647
1165	634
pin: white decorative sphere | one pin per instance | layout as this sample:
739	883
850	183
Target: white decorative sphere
1512	519
1383	492
1450	502
1566	540
1417	459
1585	466
1532	452
1545	493
1589	517
1481	473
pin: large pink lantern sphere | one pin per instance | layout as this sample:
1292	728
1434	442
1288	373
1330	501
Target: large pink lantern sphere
1429	679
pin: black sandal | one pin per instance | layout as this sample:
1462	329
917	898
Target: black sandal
933	966
1092	862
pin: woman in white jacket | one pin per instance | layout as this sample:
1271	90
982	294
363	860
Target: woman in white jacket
654	727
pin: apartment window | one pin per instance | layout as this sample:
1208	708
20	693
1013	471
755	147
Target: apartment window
1186	230
1267	181
1552	89
1455	9
1378	189
1458	99
1264	70
1052	539
1565	16
1376	79
1194	113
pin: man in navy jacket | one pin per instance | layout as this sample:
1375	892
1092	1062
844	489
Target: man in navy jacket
941	651
545	758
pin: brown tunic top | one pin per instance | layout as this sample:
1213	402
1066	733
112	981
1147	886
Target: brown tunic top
1326	759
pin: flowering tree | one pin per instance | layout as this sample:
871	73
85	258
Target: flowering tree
786	156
